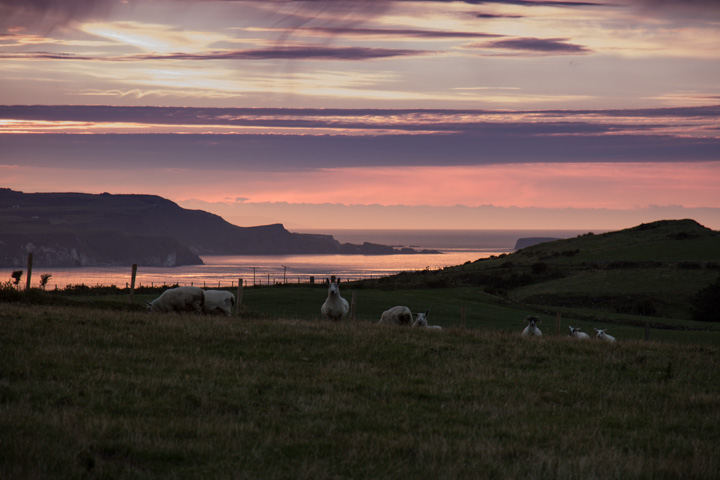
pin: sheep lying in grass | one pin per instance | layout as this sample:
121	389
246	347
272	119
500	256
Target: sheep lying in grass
576	333
179	299
532	330
398	315
401	315
421	321
335	307
601	335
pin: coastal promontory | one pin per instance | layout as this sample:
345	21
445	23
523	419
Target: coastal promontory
80	229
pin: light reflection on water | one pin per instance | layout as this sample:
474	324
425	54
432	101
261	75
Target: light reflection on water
458	247
226	270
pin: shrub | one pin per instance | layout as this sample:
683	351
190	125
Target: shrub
706	304
539	267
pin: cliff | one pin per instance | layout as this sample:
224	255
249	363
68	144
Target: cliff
78	229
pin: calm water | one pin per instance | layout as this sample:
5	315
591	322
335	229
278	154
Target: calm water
458	247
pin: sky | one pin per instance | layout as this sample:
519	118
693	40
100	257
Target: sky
370	113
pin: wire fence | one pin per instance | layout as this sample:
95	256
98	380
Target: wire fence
121	277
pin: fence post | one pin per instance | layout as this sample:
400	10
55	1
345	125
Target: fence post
352	307
29	269
647	330
463	316
132	281
238	304
557	323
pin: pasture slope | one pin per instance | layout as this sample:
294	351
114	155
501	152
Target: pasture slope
96	393
652	270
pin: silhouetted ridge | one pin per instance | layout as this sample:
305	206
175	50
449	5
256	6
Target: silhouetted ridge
63	229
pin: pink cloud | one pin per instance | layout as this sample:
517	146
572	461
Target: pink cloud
603	185
597	185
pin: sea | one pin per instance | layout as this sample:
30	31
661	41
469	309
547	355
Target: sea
456	246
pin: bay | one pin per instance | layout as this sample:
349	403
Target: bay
457	247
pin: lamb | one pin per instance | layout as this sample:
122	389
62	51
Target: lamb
576	333
398	315
218	301
335	307
179	299
532	330
601	335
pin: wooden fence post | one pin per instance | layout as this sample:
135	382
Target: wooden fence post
463	316
238	304
352	307
29	274
647	330
133	275
557	323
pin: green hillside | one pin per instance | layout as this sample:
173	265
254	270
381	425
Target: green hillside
654	269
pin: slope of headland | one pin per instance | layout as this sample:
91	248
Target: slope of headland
653	269
79	229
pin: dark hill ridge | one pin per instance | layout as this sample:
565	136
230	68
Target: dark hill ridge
78	229
655	269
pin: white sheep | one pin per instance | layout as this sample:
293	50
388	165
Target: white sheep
335	307
532	330
179	299
398	315
421	321
576	333
219	301
601	335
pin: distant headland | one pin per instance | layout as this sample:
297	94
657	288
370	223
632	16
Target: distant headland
80	229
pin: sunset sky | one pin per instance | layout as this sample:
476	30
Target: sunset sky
370	113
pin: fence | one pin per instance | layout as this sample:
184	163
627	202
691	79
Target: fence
215	276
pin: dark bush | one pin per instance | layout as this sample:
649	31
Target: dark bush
539	267
644	307
706	304
690	265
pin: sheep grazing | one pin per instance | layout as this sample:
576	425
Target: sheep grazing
532	330
398	315
601	335
218	301
576	333
335	307
179	299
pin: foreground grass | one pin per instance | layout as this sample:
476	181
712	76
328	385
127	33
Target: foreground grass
95	393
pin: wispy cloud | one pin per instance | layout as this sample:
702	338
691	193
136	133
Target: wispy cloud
309	52
666	122
536	45
346	32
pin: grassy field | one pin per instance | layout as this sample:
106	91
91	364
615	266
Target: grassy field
482	310
97	393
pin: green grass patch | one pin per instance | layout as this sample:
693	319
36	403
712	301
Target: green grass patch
101	393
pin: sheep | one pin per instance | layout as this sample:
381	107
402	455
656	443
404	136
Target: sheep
532	330
335	307
576	333
218	301
179	299
421	321
601	335
398	315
